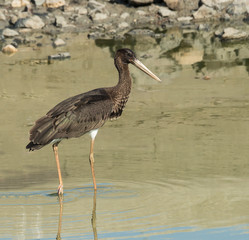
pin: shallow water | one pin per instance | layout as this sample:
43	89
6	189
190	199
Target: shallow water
174	166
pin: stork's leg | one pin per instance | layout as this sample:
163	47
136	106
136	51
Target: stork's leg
91	160
60	188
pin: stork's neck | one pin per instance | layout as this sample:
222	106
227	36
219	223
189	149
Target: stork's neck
124	83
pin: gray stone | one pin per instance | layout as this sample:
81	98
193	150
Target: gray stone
39	2
3	24
59	56
94	5
203	27
5	2
13	19
82	11
238	7
34	22
140	13
217	4
59	42
140	2
165	12
184	7
60	21
10	33
123	25
99	16
205	12
2	16
20	3
232	33
125	15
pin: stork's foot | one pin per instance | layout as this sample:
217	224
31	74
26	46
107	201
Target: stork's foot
60	190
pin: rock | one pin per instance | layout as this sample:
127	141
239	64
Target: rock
10	33
217	4
232	33
3	24
172	4
5	2
203	27
59	42
2	16
60	21
82	11
140	13
125	15
99	16
20	3
83	21
165	12
204	12
238	7
96	6
55	3
59	56
9	49
20	23
34	22
184	6
123	25
39	2
13	19
140	2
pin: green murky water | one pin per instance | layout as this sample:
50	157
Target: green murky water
174	166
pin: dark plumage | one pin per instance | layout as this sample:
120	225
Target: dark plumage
86	112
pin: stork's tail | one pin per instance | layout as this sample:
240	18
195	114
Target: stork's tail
41	133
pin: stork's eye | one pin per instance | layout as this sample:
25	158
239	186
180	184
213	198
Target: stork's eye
130	54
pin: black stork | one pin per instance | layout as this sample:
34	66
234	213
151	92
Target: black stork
86	112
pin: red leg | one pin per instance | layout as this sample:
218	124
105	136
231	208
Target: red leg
91	159
60	188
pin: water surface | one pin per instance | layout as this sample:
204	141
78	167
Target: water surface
174	166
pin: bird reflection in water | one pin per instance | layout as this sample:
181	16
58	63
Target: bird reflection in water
93	219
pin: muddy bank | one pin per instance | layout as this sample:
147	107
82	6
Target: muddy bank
25	22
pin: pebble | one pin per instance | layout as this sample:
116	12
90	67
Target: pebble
100	16
55	3
82	11
165	12
34	22
39	2
9	49
20	3
10	33
204	12
60	21
59	56
125	15
59	42
2	16
123	25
